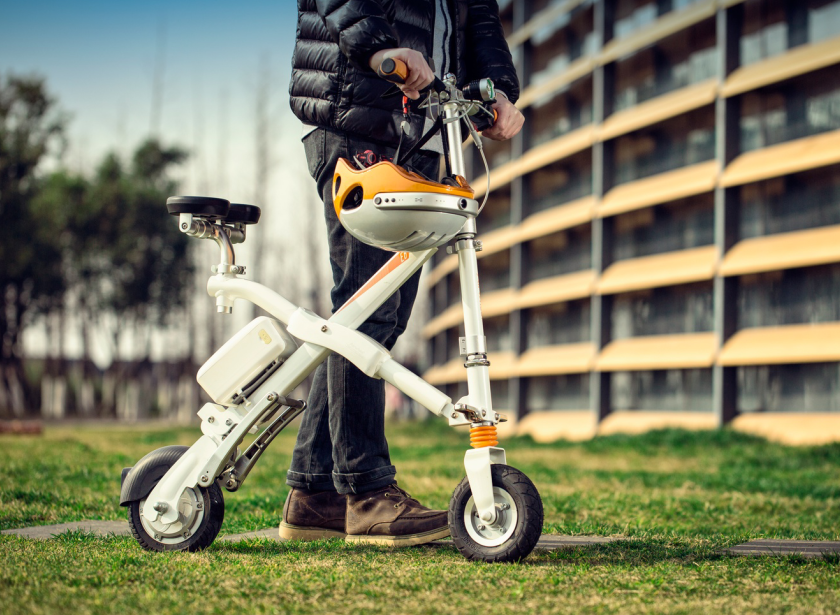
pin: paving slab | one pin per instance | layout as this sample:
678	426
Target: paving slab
803	548
45	532
548	542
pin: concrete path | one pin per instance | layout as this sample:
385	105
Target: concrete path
804	548
45	532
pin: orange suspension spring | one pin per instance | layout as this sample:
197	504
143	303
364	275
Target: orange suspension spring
483	435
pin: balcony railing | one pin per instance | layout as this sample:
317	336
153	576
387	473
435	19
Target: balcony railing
700	66
800	296
563	125
549	328
496	280
822	114
578	186
569	392
667	235
665	312
577	256
794	210
668	157
674	389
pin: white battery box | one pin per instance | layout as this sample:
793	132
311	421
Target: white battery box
243	357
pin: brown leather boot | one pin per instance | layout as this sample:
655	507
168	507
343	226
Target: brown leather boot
389	516
313	515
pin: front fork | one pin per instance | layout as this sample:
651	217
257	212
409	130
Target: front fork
477	407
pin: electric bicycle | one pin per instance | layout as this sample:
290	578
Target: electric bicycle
174	494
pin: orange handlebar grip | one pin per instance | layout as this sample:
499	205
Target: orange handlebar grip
393	70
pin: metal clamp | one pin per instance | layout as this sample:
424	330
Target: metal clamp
474	344
478	359
223	268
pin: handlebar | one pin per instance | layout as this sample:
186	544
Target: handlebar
479	92
396	71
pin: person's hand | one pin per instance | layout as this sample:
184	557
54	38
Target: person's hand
509	122
419	73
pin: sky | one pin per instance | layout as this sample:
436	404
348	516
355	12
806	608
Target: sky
99	60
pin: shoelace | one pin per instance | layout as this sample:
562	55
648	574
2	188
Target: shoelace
400	492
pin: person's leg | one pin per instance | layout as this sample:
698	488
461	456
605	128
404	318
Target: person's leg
364	451
353	402
311	465
361	461
339	389
313	509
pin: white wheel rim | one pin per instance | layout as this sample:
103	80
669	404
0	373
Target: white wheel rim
492	535
190	515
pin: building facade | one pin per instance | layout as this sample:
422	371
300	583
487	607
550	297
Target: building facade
662	241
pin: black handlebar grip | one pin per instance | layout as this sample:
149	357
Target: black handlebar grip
393	70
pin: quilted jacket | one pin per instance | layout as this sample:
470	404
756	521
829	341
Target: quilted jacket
332	84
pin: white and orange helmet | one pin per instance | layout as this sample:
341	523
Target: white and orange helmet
394	209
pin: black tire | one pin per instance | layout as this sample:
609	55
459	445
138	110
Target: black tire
528	524
200	538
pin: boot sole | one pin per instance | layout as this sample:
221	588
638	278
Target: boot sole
408	540
297	532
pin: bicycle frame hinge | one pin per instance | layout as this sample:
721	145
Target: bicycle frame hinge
478	416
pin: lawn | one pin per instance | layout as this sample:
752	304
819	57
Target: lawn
675	498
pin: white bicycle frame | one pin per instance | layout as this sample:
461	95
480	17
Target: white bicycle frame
224	428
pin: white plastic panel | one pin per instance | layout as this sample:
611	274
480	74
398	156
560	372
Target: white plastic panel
243	357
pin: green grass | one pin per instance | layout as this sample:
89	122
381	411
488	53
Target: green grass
676	498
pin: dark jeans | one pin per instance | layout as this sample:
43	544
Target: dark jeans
341	444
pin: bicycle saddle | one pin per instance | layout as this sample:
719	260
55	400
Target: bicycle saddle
213	209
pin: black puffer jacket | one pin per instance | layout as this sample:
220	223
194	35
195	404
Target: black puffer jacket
332	84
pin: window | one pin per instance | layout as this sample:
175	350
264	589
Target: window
561	112
771	27
632	15
678	142
560	253
559	42
500	394
673	389
439	299
454	284
675	62
664	311
791	203
497	332
562	323
566	392
801	107
494	271
560	182
496	213
794	296
496	152
683	224
812	387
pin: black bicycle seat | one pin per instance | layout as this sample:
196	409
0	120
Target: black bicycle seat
199	206
245	214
